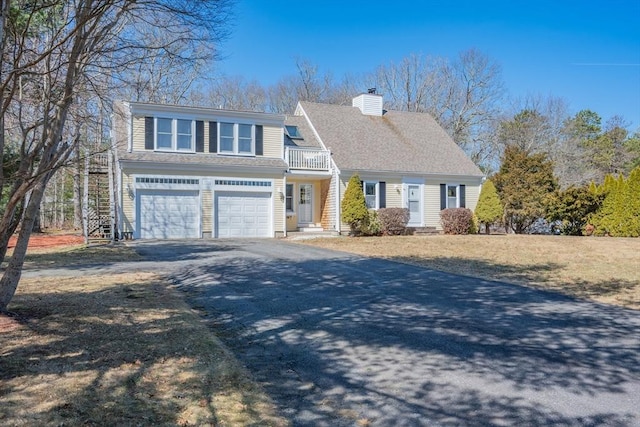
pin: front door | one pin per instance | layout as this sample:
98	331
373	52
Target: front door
305	204
414	198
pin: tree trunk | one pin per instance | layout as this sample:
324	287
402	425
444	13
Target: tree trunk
13	272
77	192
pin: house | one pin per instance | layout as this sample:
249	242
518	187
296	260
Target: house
404	159
186	172
189	172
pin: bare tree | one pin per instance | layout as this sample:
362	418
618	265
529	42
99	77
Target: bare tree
463	96
51	50
235	93
308	84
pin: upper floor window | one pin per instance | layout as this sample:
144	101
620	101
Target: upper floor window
237	138
174	134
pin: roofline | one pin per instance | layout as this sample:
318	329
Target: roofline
200	167
395	174
140	108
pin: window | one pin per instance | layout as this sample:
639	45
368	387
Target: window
174	134
452	196
226	137
293	132
289	198
371	194
244	139
164	138
237	138
184	137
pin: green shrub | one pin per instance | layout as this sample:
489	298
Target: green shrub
354	208
372	226
393	221
572	208
489	209
456	220
619	215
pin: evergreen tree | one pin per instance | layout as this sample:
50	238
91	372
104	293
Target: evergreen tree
573	207
524	182
354	207
620	212
489	208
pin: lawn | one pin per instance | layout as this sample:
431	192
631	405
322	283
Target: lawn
117	349
601	269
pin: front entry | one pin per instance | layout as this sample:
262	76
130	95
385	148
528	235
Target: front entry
305	204
414	199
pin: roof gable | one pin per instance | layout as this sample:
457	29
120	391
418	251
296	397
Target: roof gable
397	141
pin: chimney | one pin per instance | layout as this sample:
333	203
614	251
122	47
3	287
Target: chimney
370	103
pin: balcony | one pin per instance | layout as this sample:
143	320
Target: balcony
307	159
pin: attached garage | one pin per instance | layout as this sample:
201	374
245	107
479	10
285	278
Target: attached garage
168	214
243	214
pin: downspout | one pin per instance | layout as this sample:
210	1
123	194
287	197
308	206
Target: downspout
336	175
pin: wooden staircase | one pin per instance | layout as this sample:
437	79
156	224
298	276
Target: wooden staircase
99	212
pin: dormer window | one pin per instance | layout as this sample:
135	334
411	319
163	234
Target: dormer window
237	138
174	134
293	132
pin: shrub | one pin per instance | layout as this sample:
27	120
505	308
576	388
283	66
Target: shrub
393	221
489	209
354	207
371	226
619	215
456	220
572	208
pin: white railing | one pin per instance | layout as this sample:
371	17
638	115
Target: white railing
308	159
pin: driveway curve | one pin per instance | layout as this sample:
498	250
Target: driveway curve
344	340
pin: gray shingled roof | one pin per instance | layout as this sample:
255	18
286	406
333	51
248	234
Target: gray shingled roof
308	137
204	159
394	142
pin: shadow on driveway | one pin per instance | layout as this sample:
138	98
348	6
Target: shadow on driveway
338	340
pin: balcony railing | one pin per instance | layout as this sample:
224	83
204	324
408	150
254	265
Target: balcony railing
308	159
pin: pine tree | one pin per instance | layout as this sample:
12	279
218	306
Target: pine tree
524	182
620	212
489	208
354	207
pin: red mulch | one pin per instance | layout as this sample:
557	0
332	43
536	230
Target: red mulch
8	323
50	240
38	240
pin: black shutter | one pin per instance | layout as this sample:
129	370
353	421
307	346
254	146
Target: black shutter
443	196
199	136
148	133
213	137
462	196
382	199
259	141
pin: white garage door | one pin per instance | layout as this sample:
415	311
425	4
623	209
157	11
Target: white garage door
243	214
169	214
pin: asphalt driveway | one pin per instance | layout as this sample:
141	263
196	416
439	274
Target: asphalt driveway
344	340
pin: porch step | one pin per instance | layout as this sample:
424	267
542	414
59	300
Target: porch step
424	231
301	235
311	229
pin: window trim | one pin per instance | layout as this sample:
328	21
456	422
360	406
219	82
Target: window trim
457	187
174	135
236	139
377	195
288	197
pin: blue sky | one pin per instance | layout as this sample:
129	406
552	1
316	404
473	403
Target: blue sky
587	52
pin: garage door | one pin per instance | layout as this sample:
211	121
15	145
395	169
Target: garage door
169	214
243	214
